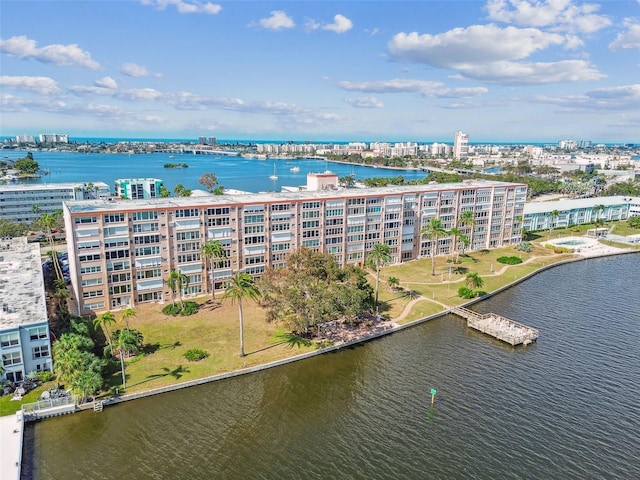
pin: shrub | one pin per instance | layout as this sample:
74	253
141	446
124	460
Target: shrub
189	308
465	292
46	375
484	251
195	355
524	247
509	260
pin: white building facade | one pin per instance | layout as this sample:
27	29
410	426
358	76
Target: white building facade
121	253
25	346
26	203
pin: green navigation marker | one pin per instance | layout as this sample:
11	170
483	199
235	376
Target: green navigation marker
433	396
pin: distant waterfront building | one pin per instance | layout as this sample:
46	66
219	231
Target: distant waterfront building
25	139
460	145
53	138
138	188
121	253
26	203
25	346
579	211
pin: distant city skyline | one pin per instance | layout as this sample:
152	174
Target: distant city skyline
502	71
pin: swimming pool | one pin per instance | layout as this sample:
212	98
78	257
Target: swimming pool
571	243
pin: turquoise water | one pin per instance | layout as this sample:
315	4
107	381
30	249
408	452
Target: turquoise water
232	172
571	242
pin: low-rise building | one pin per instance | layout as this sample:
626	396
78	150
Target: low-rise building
121	253
577	211
25	346
26	203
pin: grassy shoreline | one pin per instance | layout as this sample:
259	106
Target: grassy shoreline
214	328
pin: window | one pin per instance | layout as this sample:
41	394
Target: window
40	351
145	227
118	289
187	235
146	239
254	219
80	220
116	243
153	215
93	294
11	358
279	207
189	257
114	218
37	333
93	306
146	251
9	339
254	229
218	211
119	277
117	254
153	273
91	282
310	205
92	257
311	224
187	212
149	297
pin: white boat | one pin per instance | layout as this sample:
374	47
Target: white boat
295	169
274	176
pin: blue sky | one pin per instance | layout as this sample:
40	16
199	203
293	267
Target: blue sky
500	70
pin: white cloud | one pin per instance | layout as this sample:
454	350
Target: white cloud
106	82
364	102
133	94
555	14
629	40
424	88
476	44
185	6
535	73
340	24
41	85
10	103
620	98
24	47
135	70
276	21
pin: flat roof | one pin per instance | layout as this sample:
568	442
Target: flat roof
87	206
50	186
573	203
21	284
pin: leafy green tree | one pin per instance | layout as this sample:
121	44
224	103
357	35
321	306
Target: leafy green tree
129	342
634	222
164	192
433	231
89	380
348	181
380	254
311	289
241	286
27	165
213	253
393	282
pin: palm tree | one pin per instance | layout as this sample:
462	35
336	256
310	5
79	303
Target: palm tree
380	254
213	253
127	315
47	222
554	215
242	285
473	280
433	231
129	341
597	210
393	282
177	281
467	219
103	321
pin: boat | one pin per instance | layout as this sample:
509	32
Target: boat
295	169
274	176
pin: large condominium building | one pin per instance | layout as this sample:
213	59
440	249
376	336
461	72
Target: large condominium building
26	203
460	145
121	253
24	331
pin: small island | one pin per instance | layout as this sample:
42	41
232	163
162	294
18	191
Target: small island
176	165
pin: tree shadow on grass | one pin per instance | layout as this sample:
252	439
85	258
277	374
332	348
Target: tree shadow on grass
265	348
175	373
211	304
150	348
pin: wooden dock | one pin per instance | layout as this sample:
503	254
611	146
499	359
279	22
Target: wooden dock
499	327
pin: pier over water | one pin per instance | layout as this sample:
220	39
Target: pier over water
499	327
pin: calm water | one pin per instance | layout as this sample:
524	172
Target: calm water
565	408
233	172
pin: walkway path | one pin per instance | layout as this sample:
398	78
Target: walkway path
11	441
